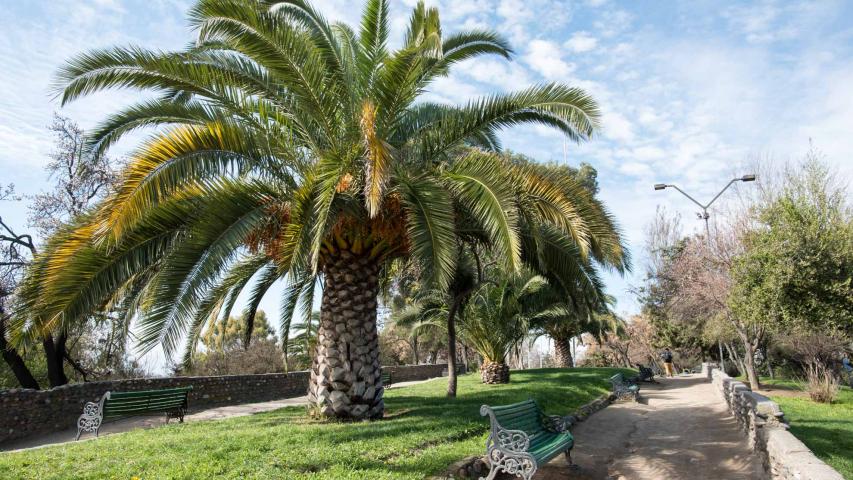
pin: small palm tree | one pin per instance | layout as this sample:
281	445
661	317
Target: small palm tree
493	320
288	147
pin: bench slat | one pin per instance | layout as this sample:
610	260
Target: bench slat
148	393
145	401
139	408
131	401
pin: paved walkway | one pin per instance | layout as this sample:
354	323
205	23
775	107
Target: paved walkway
133	423
680	430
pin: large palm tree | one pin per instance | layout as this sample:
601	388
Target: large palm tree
288	147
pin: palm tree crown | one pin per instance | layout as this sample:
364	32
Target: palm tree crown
289	147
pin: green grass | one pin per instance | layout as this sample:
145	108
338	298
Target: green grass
423	433
826	429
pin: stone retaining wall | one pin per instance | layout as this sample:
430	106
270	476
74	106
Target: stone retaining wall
26	412
784	456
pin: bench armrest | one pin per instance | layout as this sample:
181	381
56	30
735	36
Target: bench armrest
92	417
510	440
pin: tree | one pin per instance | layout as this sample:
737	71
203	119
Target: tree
79	180
796	272
79	177
296	149
563	322
500	313
496	321
798	265
232	333
16	250
302	342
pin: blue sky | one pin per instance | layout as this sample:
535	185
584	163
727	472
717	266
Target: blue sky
691	91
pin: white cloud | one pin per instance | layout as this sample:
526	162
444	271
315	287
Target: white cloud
635	169
617	127
451	90
648	153
498	72
613	22
545	57
581	42
514	10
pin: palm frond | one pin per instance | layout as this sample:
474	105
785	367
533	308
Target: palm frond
430	227
477	182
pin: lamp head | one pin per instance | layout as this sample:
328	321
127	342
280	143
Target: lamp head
660	186
748	178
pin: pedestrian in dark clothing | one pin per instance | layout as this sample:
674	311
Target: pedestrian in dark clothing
666	356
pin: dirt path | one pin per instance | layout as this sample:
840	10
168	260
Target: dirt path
680	430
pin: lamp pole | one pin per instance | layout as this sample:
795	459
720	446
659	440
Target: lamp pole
705	216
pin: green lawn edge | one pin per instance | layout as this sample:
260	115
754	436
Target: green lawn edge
422	434
827	429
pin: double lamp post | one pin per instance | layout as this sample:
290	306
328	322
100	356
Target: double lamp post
705	216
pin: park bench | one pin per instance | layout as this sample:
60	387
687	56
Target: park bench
386	379
113	405
622	388
522	438
646	374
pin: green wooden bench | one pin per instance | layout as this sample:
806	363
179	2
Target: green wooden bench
172	401
622	388
523	437
386	379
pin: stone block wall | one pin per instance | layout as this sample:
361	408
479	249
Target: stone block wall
408	373
26	412
784	456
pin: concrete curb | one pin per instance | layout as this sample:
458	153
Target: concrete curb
784	456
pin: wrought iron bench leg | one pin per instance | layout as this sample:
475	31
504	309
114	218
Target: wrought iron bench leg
179	414
492	472
91	419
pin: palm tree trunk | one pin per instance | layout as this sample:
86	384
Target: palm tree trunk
465	360
494	372
451	349
345	376
563	352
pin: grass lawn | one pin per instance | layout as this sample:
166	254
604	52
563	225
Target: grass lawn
422	434
826	429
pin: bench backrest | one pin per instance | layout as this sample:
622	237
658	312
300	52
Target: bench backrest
617	379
123	404
525	416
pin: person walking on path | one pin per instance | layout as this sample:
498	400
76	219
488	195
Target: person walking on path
666	356
848	369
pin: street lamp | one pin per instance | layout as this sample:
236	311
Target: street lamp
705	216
